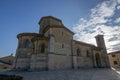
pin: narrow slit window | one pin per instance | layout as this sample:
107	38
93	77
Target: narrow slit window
78	52
62	45
42	48
87	53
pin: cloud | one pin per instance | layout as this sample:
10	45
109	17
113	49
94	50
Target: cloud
100	15
118	1
117	20
118	7
102	11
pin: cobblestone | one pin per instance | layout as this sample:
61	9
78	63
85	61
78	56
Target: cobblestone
78	74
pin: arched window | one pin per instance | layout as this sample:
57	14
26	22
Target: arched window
78	52
26	44
42	50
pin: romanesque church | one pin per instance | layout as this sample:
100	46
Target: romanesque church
54	48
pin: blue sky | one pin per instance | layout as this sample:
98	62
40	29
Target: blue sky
17	16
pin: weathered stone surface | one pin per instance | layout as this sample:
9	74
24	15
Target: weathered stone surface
59	61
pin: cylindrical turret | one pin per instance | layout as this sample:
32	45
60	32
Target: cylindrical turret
48	21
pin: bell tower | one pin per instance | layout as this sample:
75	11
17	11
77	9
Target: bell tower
100	41
104	57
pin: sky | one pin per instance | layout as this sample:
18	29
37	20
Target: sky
86	18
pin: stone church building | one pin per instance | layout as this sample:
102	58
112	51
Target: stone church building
54	48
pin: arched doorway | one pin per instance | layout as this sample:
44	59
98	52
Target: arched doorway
98	61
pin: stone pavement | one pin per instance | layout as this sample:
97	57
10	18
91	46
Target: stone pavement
78	74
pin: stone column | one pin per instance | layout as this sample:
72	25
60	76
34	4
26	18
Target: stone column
51	50
75	63
51	43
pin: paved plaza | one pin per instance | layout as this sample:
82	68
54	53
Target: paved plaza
78	74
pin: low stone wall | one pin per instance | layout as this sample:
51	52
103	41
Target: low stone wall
10	77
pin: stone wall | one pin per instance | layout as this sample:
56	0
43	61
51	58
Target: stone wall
22	63
62	40
59	61
60	48
39	62
23	54
39	59
84	58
